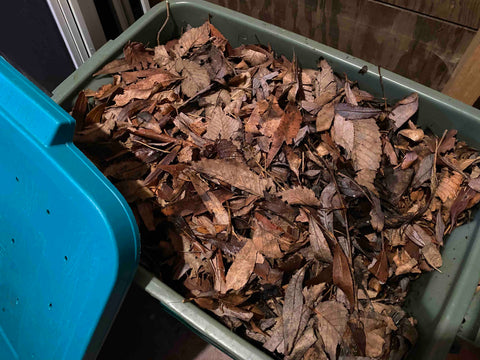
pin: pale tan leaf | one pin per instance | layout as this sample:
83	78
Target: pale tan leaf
161	56
404	110
253	57
195	77
325	84
318	242
412	134
325	117
299	195
449	186
432	255
222	126
405	264
195	37
234	173
374	344
349	95
332	323
367	152
242	266
343	133
129	94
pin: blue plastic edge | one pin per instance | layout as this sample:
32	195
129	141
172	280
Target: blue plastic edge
26	104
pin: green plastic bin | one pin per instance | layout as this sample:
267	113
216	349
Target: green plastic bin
438	300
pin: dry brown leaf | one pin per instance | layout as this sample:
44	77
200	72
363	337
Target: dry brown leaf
342	277
376	214
349	95
222	126
299	196
195	37
291	314
409	159
449	186
195	77
343	133
379	267
418	235
325	84
234	173
412	134
432	255
325	117
367	152
332	323
404	263
302	344
137	55
266	241
404	110
242	266
318	242
209	199
286	131
424	171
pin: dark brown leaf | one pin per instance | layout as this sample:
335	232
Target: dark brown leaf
286	131
379	267
342	276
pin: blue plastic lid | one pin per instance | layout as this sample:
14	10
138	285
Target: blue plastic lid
69	243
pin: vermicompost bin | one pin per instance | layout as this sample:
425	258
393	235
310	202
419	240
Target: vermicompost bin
438	300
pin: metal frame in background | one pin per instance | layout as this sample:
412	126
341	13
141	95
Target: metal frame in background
81	28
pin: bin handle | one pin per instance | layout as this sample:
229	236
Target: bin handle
23	104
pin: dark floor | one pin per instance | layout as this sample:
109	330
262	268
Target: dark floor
143	330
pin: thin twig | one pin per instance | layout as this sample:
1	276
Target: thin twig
164	23
383	89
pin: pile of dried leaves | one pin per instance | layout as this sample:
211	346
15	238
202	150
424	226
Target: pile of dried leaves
286	201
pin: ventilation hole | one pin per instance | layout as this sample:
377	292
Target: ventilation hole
16	178
48	212
17	301
66	258
463	321
13	241
50	306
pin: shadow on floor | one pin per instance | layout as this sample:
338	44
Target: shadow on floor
143	330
